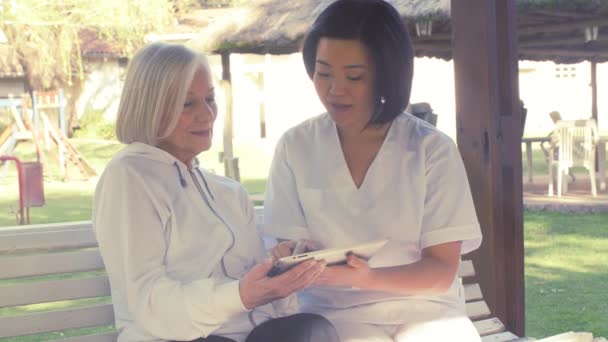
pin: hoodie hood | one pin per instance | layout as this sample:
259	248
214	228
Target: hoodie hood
141	150
150	152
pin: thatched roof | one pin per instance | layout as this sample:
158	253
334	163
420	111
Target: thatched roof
548	29
93	45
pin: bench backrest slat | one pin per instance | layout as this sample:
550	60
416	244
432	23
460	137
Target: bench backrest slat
489	326
502	337
466	269
63	239
19	266
45	227
472	292
54	290
98	315
477	310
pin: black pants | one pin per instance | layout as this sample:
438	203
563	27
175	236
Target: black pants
294	328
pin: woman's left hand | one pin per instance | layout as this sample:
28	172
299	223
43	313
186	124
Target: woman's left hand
356	273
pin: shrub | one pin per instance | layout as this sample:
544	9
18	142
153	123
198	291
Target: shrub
94	125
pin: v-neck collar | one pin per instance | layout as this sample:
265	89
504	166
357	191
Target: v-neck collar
342	176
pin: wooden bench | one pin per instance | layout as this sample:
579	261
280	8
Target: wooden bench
69	249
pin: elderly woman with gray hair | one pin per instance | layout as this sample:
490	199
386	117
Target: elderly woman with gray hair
180	246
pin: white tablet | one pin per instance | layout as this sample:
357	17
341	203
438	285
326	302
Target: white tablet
333	256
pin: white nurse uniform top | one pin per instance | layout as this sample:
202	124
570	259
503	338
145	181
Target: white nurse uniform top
415	193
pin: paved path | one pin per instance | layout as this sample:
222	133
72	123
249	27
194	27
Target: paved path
578	198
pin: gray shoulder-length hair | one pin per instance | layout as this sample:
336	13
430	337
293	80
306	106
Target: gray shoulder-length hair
156	85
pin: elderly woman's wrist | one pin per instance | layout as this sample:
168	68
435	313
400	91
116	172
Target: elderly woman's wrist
246	296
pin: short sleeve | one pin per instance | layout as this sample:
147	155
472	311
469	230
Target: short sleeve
283	213
449	213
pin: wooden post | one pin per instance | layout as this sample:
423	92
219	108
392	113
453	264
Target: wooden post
594	90
260	82
594	106
484	45
61	103
33	127
231	165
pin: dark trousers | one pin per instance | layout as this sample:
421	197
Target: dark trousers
294	328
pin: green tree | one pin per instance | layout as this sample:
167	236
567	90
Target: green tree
45	33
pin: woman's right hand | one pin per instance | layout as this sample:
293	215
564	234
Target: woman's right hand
256	288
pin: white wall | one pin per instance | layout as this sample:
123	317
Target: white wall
102	88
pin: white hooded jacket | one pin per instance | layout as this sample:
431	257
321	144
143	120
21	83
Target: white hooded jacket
175	241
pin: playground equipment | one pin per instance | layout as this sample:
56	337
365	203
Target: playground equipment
31	188
36	125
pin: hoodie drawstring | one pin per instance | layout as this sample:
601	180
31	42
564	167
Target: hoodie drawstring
182	181
205	182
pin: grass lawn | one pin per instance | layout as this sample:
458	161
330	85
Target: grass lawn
566	259
566	265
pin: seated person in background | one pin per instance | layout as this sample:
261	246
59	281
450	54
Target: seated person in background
555	117
366	171
180	246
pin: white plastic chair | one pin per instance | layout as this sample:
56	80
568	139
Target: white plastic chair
576	142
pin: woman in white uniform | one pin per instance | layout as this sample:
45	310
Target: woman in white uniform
365	170
180	246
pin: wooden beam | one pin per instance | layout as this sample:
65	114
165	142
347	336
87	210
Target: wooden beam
554	47
559	41
594	90
557	14
562	27
489	128
530	42
563	53
529	30
594	106
436	46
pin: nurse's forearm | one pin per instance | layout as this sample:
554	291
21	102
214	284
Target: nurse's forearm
424	276
434	273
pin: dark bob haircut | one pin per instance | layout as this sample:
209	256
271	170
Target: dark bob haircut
377	25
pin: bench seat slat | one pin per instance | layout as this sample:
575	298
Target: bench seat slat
54	290
472	292
477	310
62	239
57	320
489	326
500	337
466	269
42	264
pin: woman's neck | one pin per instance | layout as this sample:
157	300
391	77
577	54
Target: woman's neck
176	153
362	135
